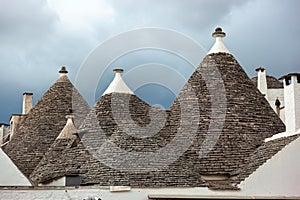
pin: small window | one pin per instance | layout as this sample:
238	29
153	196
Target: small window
298	79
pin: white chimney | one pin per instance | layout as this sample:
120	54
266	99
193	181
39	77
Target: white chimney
27	103
262	81
291	84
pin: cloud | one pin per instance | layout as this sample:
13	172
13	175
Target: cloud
38	36
263	33
25	22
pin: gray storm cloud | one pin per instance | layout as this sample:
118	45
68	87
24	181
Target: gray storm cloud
35	40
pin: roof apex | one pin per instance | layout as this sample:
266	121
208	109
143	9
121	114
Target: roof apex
69	129
118	85
63	70
219	46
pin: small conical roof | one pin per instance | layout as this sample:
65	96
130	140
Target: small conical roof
118	85
69	130
44	122
219	46
64	157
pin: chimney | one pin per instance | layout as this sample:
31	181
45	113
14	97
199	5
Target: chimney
262	81
291	84
27	102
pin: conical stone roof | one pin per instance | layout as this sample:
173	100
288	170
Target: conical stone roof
129	141
44	122
234	117
64	157
216	122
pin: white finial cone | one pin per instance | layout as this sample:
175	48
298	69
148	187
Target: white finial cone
118	85
69	129
219	46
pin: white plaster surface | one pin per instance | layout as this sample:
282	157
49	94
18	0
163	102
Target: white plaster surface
4	134
219	46
292	105
273	94
134	194
118	86
10	175
262	82
280	135
279	176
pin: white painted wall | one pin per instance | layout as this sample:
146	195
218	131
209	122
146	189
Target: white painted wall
292	105
279	176
134	194
10	175
15	122
4	133
272	95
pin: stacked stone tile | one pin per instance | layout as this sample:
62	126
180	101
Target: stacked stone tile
115	129
179	173
272	82
249	118
65	157
43	124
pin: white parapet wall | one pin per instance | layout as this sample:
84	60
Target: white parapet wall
279	176
10	175
273	94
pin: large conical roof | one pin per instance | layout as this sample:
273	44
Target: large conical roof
44	122
234	119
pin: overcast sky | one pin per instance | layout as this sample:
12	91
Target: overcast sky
39	36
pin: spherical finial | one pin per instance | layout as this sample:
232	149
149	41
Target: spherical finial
63	70
218	33
118	70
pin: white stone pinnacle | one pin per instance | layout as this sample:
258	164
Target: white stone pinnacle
118	85
219	46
